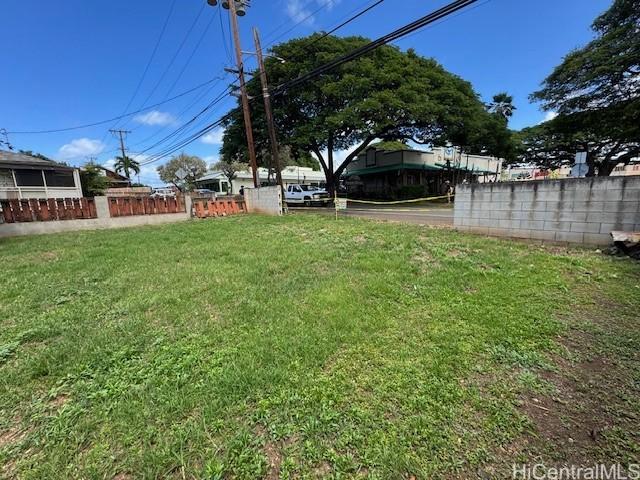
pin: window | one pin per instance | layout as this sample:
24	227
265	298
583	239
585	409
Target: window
29	178
59	179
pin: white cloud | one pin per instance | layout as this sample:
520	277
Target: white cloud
214	137
303	12
81	148
154	118
211	159
298	13
550	116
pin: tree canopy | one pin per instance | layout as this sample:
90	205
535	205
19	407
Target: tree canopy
93	181
596	92
391	145
386	95
127	165
194	167
229	170
502	105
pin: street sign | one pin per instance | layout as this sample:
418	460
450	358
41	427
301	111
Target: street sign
341	203
579	170
181	174
581	157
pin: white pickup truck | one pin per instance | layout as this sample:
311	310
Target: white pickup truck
306	194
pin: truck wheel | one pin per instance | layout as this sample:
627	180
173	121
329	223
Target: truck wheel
307	202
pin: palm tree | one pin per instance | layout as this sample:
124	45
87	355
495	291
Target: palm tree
127	165
502	105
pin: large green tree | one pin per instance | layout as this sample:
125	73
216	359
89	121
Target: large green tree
387	94
596	92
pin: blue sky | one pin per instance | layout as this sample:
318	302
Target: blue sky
74	62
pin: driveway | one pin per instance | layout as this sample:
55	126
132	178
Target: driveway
436	215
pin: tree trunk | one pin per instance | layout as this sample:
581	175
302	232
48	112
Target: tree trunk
331	182
591	163
605	168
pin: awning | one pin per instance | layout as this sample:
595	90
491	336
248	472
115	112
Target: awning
391	168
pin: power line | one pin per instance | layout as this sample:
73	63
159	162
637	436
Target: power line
175	56
153	54
286	22
396	34
179	115
102	122
193	52
186	124
346	22
295	25
224	36
369	47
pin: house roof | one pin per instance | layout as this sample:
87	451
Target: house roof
22	161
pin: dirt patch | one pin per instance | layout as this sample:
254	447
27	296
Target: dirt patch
425	260
590	410
274	459
122	476
48	256
59	400
12	436
322	470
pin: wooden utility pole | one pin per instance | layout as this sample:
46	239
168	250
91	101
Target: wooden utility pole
243	93
275	155
121	134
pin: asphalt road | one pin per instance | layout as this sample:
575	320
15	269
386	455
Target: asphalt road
440	215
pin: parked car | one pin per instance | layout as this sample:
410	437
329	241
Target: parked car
204	192
163	193
308	195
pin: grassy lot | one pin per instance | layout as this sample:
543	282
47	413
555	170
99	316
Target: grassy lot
302	347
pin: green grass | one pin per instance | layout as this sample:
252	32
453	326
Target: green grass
297	346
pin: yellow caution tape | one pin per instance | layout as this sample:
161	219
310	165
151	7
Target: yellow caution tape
395	202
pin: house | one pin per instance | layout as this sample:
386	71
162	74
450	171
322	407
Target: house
23	177
632	168
115	179
413	173
218	182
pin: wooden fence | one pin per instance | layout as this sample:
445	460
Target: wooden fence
128	206
47	209
218	207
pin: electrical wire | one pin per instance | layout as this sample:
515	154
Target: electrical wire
175	56
369	47
119	117
395	35
176	132
346	22
151	58
303	20
193	52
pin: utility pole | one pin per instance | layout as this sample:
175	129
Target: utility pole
275	155
121	134
243	92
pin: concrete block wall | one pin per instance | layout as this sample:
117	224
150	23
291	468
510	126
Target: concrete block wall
264	200
576	210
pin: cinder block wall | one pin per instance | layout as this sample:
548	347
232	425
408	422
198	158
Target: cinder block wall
264	200
577	210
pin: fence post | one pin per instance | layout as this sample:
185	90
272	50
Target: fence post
102	207
187	205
